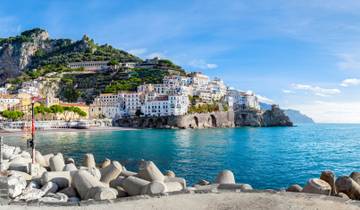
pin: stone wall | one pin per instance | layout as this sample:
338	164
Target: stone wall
201	120
273	117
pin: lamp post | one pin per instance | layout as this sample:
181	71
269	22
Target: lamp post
33	131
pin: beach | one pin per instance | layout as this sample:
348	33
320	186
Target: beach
209	201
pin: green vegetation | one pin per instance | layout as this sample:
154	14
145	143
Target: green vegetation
23	37
68	91
12	115
52	111
138	77
204	108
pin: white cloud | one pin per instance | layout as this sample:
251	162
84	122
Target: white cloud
265	99
331	112
350	82
316	90
138	51
288	91
349	61
202	64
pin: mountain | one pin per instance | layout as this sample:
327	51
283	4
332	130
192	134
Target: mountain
33	55
35	50
297	117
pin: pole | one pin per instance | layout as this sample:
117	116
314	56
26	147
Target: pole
33	131
1	155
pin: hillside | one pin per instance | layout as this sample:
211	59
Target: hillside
297	117
33	54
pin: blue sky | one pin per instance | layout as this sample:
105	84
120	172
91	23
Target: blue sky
299	54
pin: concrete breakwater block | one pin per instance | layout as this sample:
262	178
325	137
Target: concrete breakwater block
348	186
110	172
150	172
127	173
19	166
355	176
242	187
70	167
50	187
154	188
89	187
317	186
173	186
225	177
329	177
54	198
294	188
102	193
69	191
169	173
117	182
61	178
39	158
89	161
16	185
69	161
47	159
134	185
24	175
57	163
182	181
105	163
95	172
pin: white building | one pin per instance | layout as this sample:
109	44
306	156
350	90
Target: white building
115	105
176	80
106	105
165	105
90	65
199	82
217	88
130	102
8	102
243	100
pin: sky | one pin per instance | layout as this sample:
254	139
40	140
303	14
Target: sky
303	55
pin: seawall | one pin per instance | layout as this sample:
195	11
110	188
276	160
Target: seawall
199	120
229	119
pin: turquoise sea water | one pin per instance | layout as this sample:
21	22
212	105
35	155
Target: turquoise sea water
262	157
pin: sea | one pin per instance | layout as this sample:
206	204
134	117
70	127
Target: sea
266	158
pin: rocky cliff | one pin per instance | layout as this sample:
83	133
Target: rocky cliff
269	118
273	117
16	52
32	54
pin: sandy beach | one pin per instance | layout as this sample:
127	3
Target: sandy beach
220	201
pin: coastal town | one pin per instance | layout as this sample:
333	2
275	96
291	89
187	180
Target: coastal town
177	95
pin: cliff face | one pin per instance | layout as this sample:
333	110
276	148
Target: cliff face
275	117
16	52
34	53
269	118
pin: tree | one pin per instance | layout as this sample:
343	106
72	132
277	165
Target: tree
12	115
